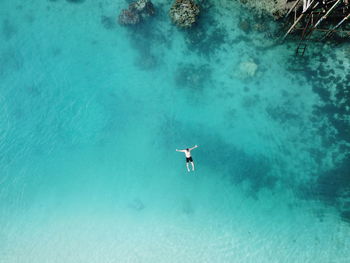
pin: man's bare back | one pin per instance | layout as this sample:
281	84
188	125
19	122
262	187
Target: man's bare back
188	156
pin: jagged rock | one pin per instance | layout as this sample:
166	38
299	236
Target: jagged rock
136	12
184	12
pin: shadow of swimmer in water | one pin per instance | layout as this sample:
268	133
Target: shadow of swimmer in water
189	159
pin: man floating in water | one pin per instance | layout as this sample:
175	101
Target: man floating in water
188	156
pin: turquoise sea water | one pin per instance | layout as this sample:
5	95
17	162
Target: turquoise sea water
91	114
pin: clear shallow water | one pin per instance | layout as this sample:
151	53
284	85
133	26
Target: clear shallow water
91	115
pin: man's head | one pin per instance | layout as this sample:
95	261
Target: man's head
187	149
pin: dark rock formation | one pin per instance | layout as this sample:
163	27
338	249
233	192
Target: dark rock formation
184	12
136	12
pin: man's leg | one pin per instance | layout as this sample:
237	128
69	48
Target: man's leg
188	169
192	166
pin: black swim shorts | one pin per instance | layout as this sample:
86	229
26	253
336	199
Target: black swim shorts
189	159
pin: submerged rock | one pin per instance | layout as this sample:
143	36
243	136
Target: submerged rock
184	12
136	12
247	69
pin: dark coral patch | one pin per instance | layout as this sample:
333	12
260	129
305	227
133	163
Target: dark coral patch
206	37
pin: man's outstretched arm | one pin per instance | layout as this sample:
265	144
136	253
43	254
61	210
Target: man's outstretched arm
194	147
180	150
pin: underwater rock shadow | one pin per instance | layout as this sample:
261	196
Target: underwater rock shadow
202	36
205	36
331	188
239	166
146	58
149	41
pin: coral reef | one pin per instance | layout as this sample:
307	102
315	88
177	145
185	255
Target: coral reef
128	17
275	8
184	12
208	36
206	42
136	12
326	76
